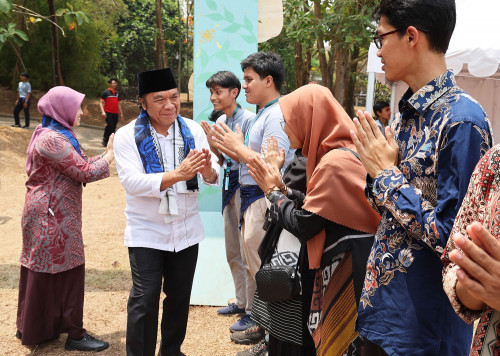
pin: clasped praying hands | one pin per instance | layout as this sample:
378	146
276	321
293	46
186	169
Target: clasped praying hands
479	262
196	161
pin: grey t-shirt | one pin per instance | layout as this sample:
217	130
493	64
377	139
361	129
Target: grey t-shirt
243	118
24	88
268	124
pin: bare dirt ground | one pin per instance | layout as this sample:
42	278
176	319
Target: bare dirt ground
108	278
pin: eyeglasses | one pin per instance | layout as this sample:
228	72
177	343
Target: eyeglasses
282	123
377	39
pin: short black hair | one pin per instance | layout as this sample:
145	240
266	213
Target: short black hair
379	105
436	17
24	74
111	79
225	79
264	64
215	114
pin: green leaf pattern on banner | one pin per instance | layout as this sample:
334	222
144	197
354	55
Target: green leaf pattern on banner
225	37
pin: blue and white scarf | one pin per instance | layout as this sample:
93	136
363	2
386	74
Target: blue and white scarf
52	124
150	152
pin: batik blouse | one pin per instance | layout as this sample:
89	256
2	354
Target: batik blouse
481	203
52	215
442	132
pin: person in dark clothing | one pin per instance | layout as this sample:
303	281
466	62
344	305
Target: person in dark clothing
286	321
333	220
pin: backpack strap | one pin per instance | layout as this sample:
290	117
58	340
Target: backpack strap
348	149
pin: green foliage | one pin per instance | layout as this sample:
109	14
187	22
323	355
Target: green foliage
72	18
298	22
131	49
281	45
348	23
382	92
344	25
13	34
8	30
85	23
4	6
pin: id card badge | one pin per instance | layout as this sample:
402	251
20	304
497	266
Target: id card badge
226	178
227	171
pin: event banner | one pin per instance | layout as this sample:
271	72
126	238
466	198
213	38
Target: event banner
225	33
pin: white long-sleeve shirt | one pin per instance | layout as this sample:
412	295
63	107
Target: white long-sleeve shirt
145	226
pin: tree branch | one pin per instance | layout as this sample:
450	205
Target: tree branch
28	12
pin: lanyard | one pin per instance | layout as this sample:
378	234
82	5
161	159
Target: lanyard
228	162
247	136
157	144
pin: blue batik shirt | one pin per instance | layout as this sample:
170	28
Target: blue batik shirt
441	132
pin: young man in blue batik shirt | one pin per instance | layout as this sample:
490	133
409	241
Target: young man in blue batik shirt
417	178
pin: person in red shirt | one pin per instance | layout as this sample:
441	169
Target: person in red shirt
110	108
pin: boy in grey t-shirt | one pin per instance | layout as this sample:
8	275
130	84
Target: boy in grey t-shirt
23	101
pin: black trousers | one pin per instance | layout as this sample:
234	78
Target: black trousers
149	267
111	122
17	109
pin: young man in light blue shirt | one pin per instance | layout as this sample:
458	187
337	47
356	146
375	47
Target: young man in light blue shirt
263	77
224	89
23	101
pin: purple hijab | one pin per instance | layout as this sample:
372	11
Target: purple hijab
61	104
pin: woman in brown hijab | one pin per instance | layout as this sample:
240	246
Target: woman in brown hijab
334	219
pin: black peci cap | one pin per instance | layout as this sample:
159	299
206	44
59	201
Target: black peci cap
156	80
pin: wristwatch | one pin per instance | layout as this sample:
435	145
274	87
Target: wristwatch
272	189
284	189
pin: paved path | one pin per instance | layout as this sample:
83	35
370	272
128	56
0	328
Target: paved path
89	137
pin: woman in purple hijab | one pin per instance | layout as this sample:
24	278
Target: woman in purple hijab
51	287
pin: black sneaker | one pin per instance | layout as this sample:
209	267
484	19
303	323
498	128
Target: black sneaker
15	125
252	335
86	343
261	349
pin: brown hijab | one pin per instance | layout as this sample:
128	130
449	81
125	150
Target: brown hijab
336	178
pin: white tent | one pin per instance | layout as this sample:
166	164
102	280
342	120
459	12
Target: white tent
473	55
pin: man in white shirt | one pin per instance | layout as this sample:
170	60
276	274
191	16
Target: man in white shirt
159	158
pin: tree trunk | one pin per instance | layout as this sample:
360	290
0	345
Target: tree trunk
299	65
351	83
189	12
341	67
181	34
306	74
160	51
57	78
327	81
